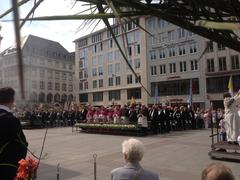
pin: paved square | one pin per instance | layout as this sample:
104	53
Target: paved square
175	156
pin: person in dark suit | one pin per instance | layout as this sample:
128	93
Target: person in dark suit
13	144
133	151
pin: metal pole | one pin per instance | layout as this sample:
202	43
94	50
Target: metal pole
58	171
95	166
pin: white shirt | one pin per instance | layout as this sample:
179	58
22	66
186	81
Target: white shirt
5	108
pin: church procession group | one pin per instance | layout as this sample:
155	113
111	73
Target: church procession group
154	118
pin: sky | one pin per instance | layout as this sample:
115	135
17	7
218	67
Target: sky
64	32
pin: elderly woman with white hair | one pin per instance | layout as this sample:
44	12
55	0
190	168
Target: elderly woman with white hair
133	151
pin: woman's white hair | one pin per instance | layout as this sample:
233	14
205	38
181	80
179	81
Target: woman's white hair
133	150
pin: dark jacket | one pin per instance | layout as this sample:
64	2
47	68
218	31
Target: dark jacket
13	144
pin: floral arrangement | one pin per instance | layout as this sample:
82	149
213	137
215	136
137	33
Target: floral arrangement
107	126
27	169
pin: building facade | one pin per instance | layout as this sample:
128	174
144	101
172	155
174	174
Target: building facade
174	65
48	71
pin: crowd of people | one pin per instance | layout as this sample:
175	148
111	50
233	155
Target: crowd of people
156	118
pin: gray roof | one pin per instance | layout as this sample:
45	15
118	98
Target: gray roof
44	44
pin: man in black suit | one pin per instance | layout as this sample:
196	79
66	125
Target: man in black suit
13	144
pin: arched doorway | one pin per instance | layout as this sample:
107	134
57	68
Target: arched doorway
57	98
33	97
49	98
41	97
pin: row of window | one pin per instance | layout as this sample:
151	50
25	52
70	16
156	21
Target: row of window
210	46
64	75
169	36
50	97
173	51
178	87
111	82
112	95
50	86
222	64
172	67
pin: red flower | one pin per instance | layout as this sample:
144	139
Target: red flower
27	169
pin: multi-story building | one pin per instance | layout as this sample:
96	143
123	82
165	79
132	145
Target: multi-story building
48	71
172	63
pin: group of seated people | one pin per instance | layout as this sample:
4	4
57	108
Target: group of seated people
133	151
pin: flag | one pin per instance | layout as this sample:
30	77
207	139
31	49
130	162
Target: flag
230	85
190	94
132	102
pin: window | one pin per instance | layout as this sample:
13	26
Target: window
64	87
117	68
100	71
210	65
129	79
153	70
42	85
57	86
42	73
100	83
94	72
116	55
98	96
94	60
34	84
172	67
127	67
235	62
70	77
153	55
161	23
85	73
100	47
100	60
222	64
190	34
80	86
193	47
49	86
194	65
138	79
64	76
137	63
136	93
110	43
162	53
161	37
114	95
221	47
181	33
170	35
50	74
137	36
181	49
110	69
183	66
118	80
110	81
85	85
163	69
137	49
57	75
94	83
83	97
171	51
209	46
70	88
110	57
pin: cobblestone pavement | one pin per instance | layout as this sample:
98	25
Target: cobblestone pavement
175	156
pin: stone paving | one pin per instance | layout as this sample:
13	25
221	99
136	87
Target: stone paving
175	156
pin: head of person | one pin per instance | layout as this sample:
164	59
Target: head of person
217	171
133	150
226	95
7	96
